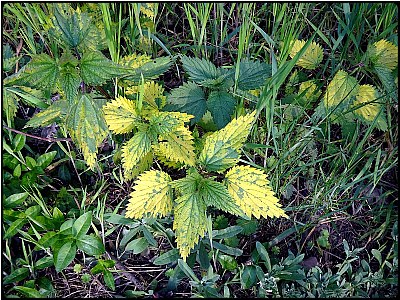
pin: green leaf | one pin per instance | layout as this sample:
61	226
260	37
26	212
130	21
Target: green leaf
248	277
42	72
229	232
167	257
87	127
14	226
19	142
16	276
44	262
137	246
216	194
135	149
45	159
10	105
109	279
15	200
149	70
70	81
264	255
221	105
96	69
221	149
28	292
187	270
199	69
252	193
188	98
91	245
149	237
64	256
54	113
152	195
226	249
190	222
227	262
82	225
253	74
48	239
386	77
97	269
32	97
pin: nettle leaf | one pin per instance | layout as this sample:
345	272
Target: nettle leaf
10	104
190	222
340	91
150	70
178	146
188	184
164	122
142	165
134	150
42	71
152	195
152	94
120	115
368	109
221	106
386	77
96	69
311	58
383	54
250	189
189	98
253	74
222	82
69	78
216	194
199	69
86	125
221	148
54	113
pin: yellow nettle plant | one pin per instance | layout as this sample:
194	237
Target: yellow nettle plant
311	58
244	191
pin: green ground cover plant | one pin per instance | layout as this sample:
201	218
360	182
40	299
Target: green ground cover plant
140	140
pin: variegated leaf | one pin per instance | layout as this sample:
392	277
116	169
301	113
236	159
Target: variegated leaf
54	113
152	195
120	115
311	58
134	150
250	189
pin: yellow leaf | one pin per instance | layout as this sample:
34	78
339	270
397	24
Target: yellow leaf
250	189
120	115
384	54
152	195
142	165
190	222
311	58
311	90
367	93
153	93
221	149
134	150
341	88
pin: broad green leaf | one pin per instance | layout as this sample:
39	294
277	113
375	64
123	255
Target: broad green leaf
152	195
91	245
165	122
44	262
14	226
10	104
167	257
221	105
134	150
109	280
16	276
96	69
190	222
264	255
368	109
229	232
187	270
216	194
189	98
45	159
64	256
248	277
189	184
15	200
340	90
177	146
149	236
225	249
383	54
252	74
48	239
311	58
82	225
250	189
222	82
120	115
137	246
30	96
54	113
28	292
70	80
221	148
199	69
227	262
87	127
